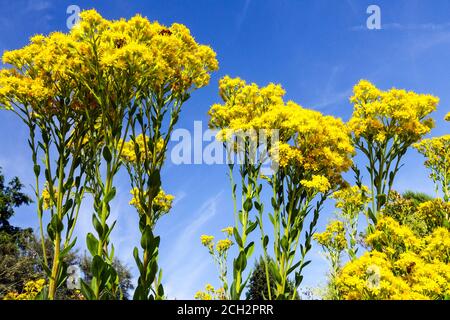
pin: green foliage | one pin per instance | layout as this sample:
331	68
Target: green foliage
257	284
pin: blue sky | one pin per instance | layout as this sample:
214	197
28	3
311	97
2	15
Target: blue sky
316	49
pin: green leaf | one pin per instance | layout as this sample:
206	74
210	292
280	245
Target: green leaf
248	205
92	244
237	237
86	290
251	227
266	241
37	170
249	249
111	194
56	224
107	154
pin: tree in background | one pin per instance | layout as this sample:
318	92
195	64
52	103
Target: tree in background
257	285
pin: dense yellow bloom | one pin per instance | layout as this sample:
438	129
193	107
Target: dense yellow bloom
435	213
308	141
162	203
333	237
157	55
381	115
392	238
140	147
30	291
206	240
406	266
437	154
223	245
317	183
352	199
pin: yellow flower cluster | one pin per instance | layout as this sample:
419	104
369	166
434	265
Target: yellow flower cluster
143	55
404	265
317	183
46	198
382	115
309	141
437	154
228	231
447	117
392	238
352	199
210	294
30	291
162	203
435	213
223	245
157	55
139	147
207	240
333	237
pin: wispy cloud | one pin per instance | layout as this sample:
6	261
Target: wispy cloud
184	265
330	95
38	5
241	17
395	26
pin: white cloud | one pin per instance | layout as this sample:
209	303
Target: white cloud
183	266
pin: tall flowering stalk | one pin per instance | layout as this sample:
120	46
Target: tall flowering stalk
315	152
385	124
244	131
312	152
166	66
219	252
39	89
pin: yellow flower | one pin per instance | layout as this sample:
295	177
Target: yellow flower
132	151
48	202
223	245
447	117
333	237
317	184
319	143
161	204
386	114
206	240
228	231
30	291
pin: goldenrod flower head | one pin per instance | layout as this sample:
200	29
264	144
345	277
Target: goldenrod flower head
333	237
352	200
48	202
382	115
161	203
206	240
30	291
223	245
139	149
228	231
317	184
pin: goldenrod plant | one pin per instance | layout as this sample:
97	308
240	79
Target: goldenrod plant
238	121
219	252
384	125
168	66
40	90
